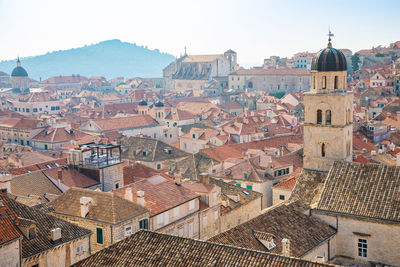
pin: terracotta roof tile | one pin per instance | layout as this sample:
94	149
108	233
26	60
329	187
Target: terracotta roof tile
303	231
160	193
107	207
146	248
367	190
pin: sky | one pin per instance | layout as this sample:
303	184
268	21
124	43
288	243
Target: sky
255	29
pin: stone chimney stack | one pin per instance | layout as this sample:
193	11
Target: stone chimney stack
3	208
140	198
59	176
128	194
286	247
5	182
178	178
85	201
204	178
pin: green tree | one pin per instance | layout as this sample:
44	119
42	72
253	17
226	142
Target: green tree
278	94
355	61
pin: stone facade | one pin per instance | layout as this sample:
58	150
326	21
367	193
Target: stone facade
10	254
111	233
328	127
240	215
64	255
381	237
288	80
194	71
280	194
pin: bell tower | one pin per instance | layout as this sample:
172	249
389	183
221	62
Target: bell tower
328	111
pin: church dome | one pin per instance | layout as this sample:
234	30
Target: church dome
159	104
143	103
19	72
329	59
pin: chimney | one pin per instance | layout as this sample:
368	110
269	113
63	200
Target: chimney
3	208
204	178
140	198
286	247
85	201
128	194
59	175
178	178
55	235
5	179
225	202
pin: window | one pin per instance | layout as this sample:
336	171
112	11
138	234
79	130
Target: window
281	197
31	233
48	166
245	176
323	82
27	110
323	150
191	205
249	187
194	136
116	185
35	265
319	116
128	230
144	224
314	82
336	82
57	165
144	153
158	166
79	249
45	147
99	233
328	117
362	248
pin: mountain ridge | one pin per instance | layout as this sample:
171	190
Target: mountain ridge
110	58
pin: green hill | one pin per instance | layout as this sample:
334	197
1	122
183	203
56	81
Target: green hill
108	58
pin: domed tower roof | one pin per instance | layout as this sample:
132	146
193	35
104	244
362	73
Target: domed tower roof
143	103
19	71
329	59
159	104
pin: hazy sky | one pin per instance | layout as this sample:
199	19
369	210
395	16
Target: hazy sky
254	29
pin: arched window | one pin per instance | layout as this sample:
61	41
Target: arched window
328	117
336	82
319	116
323	150
250	85
314	86
348	116
323	82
